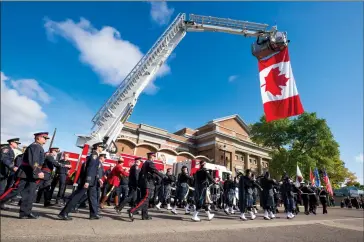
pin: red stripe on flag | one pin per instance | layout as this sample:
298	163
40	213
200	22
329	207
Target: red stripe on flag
282	56
283	108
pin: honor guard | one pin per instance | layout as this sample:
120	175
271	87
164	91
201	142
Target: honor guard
88	184
133	185
61	177
29	175
7	168
145	183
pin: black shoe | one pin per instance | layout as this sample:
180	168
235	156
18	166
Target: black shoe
131	216
29	216
95	217
47	204
64	217
118	209
57	202
147	218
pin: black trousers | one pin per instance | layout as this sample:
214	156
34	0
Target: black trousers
3	182
143	204
131	198
123	191
10	181
27	188
44	188
62	186
78	195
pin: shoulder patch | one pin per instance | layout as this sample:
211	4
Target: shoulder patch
5	150
94	157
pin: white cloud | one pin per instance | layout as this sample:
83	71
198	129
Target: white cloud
103	50
160	12
31	89
21	116
359	158
233	78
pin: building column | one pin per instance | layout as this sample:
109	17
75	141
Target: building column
246	161
260	165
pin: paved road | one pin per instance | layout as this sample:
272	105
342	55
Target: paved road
338	225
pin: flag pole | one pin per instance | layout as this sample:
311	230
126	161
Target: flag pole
51	143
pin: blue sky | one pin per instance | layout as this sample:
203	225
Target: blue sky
62	71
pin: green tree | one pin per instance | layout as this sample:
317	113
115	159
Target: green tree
305	140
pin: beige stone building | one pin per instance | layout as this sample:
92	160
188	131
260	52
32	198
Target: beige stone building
223	141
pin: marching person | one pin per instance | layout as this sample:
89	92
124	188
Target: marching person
305	195
45	183
165	195
123	189
323	200
28	176
17	162
182	190
7	168
268	196
145	182
288	196
113	182
246	185
88	184
255	195
61	176
133	186
229	193
202	181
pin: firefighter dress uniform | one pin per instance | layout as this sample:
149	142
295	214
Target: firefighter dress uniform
28	178
88	175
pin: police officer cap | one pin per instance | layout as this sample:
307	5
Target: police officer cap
151	153
183	167
202	162
3	145
99	144
16	140
138	158
54	148
102	155
44	134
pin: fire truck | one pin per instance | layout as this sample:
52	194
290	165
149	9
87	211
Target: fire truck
128	162
109	120
218	172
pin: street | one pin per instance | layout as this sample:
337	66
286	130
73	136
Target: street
339	225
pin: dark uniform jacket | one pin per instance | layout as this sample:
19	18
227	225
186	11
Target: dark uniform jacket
62	169
146	178
134	176
33	159
6	161
90	170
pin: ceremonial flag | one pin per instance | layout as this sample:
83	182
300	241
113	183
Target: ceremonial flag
312	178
278	87
328	184
299	177
317	178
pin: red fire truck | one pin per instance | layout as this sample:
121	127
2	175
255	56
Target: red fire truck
128	162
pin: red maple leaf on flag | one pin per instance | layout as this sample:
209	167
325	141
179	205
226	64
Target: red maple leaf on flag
274	80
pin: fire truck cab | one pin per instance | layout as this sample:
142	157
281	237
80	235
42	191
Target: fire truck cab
219	172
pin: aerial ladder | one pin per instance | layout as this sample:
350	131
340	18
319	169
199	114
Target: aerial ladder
110	119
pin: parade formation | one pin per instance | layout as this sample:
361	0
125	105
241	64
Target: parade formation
34	174
144	187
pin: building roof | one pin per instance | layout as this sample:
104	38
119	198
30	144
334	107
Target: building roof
235	116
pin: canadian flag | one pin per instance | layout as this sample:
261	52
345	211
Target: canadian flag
278	87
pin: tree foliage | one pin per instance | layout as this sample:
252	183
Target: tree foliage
306	140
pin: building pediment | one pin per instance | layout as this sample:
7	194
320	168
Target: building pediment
233	123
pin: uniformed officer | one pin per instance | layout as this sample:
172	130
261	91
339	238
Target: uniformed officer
133	185
145	182
61	176
88	183
7	164
29	174
17	162
45	184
